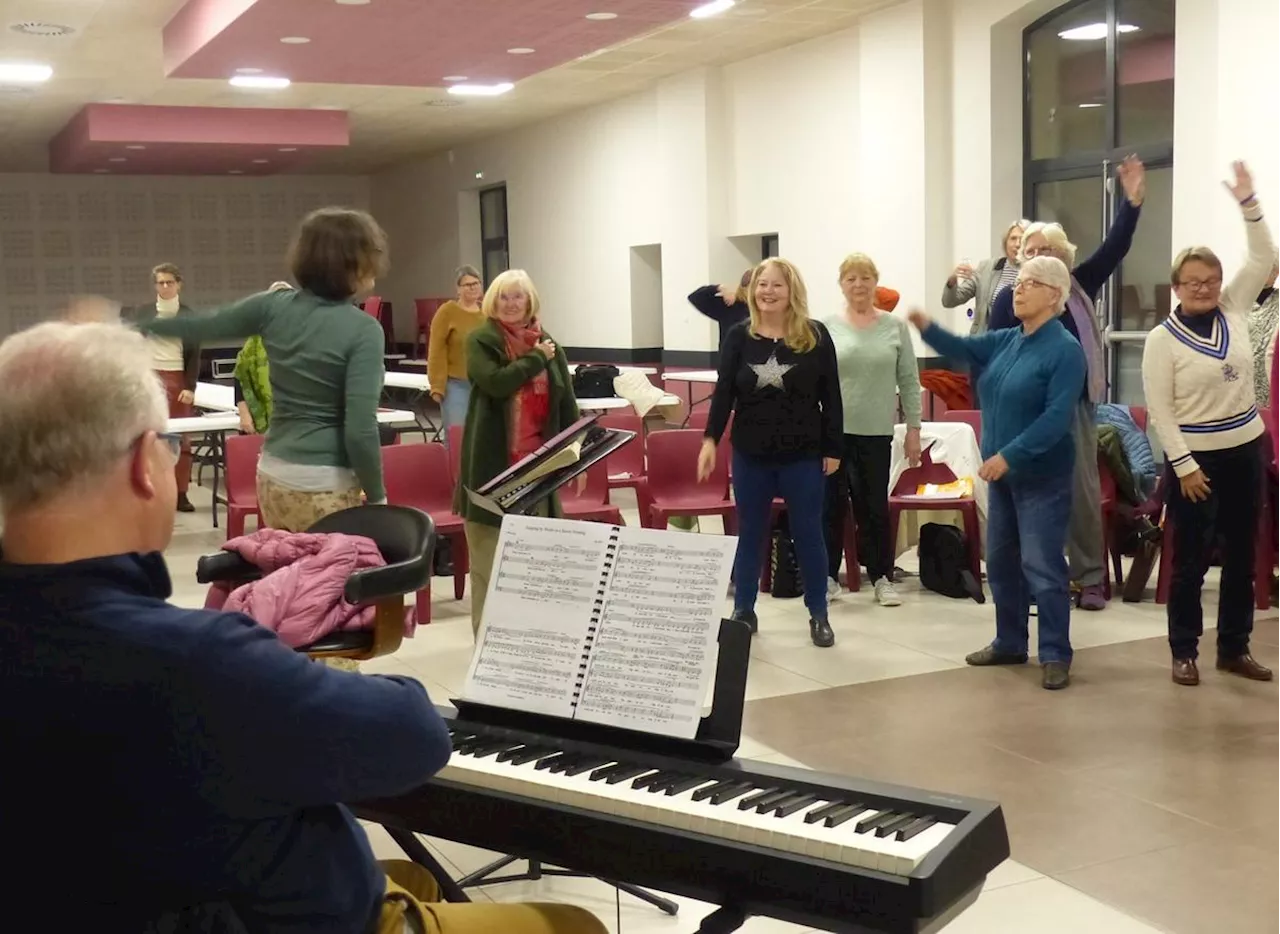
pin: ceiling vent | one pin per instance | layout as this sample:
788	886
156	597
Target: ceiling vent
41	29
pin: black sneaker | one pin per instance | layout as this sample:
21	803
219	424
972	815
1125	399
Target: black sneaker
184	504
989	656
821	634
1054	676
748	617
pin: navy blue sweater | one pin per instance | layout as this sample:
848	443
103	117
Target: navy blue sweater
189	756
1028	389
708	302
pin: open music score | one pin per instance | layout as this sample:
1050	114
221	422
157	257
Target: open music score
601	623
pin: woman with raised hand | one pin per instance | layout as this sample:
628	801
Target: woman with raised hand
989	279
1030	384
1197	376
778	378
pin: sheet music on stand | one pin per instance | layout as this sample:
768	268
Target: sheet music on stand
603	624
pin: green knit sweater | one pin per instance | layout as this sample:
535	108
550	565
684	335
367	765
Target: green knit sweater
326	376
494	380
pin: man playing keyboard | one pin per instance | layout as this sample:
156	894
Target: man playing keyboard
162	760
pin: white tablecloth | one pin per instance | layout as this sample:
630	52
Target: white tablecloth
950	443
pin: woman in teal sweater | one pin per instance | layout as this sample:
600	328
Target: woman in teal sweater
322	448
1031	379
521	397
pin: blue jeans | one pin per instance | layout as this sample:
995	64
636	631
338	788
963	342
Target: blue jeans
802	486
1027	521
457	393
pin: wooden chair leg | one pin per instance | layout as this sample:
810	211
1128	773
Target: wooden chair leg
422	605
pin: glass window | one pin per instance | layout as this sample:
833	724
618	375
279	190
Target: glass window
1076	204
493	213
1067	83
1144	70
1144	293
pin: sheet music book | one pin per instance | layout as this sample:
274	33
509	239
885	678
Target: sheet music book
606	624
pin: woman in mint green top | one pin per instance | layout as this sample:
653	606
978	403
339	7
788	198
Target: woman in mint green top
322	448
877	366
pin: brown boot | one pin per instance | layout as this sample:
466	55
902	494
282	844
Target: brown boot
1185	672
1246	666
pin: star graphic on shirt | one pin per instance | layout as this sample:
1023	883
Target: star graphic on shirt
771	372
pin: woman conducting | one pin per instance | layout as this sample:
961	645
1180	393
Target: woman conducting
778	379
521	397
1031	380
1197	376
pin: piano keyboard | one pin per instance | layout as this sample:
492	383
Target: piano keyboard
833	827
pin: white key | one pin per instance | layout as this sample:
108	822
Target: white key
912	852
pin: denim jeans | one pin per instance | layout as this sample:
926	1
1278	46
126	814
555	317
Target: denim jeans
1027	521
457	393
801	485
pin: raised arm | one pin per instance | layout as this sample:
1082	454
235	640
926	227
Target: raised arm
1065	384
1238	296
963	284
710	302
493	374
977	349
1093	273
241	319
366	371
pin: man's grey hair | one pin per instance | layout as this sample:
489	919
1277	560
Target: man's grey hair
75	398
1052	272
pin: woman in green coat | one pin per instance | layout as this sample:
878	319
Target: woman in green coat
521	396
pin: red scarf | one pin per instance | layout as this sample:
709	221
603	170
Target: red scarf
531	405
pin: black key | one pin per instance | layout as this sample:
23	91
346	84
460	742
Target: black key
756	798
506	755
707	792
605	771
547	761
644	781
728	794
911	830
630	771
875	820
467	745
666	781
691	781
787	808
848	812
489	748
585	764
826	810
902	820
765	805
564	762
529	754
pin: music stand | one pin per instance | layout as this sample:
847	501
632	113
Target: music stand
718	736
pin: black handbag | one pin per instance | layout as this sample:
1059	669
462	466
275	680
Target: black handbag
784	567
595	381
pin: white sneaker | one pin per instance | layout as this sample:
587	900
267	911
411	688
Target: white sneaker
833	589
886	593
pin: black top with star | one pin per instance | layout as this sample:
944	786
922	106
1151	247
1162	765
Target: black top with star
785	405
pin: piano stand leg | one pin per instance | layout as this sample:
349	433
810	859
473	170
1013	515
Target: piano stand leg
665	905
723	920
486	876
414	849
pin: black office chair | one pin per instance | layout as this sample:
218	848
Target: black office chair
406	537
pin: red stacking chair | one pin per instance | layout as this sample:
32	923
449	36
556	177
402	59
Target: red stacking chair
971	417
592	504
1110	546
242	453
672	488
373	307
418	475
425	309
626	466
901	500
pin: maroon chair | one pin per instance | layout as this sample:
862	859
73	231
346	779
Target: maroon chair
626	466
373	307
970	417
1107	499
901	499
418	475
425	310
592	504
671	487
242	452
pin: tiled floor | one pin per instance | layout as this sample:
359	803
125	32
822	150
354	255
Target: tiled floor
1133	805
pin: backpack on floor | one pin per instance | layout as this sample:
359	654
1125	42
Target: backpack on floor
595	381
784	567
944	562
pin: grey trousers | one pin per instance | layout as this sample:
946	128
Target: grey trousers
1084	532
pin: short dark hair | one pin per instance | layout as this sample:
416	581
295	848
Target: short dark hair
334	249
168	269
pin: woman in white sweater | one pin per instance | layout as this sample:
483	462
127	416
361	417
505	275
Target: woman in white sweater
1197	373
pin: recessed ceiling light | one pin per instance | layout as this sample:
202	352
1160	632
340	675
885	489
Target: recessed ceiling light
117	159
23	73
520	50
235	171
602	16
352	2
42	29
1088	106
287	149
455	77
260	82
248	71
295	40
480	90
711	9
1093	31
135	146
260	161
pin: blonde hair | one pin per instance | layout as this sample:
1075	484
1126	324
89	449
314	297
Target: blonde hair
1022	225
800	336
1050	271
511	279
77	397
1057	238
858	262
1193	254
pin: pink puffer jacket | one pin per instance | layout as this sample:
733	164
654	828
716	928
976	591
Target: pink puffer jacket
300	598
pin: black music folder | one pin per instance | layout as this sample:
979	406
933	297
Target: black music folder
519	489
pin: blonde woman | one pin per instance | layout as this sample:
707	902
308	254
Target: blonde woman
521	397
447	355
989	279
778	378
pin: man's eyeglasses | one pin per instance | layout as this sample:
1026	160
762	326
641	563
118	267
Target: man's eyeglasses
1200	285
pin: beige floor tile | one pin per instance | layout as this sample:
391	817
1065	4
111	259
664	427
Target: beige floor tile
1043	906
